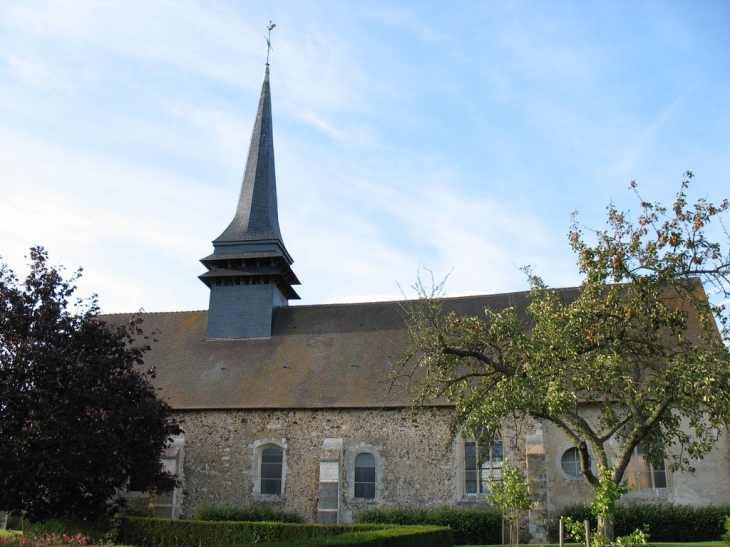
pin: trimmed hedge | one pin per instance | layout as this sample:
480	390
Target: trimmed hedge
481	526
397	536
665	522
248	513
148	532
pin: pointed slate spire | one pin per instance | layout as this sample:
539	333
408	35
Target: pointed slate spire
257	218
249	272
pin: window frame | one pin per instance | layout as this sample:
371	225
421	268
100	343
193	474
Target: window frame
480	470
369	484
576	462
259	447
639	467
271	464
350	455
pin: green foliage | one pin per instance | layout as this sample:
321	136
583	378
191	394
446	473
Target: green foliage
606	495
663	522
401	536
576	530
46	540
93	529
636	342
249	513
151	532
510	494
726	535
470	526
79	415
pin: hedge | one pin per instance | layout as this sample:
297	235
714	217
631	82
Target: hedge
665	522
481	526
396	536
248	513
148	532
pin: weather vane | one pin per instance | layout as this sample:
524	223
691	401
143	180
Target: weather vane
268	41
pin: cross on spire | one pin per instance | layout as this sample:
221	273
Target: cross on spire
268	41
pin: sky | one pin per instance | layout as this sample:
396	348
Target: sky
456	137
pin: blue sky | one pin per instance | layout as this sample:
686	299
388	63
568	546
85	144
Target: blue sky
457	136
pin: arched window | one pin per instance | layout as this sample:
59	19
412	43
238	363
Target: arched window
570	462
272	459
481	463
365	476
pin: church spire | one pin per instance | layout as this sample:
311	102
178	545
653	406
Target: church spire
257	217
249	272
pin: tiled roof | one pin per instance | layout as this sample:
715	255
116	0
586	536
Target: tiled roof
323	356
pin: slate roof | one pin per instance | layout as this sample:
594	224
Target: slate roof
321	356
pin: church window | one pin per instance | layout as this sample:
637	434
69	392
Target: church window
643	475
164	504
481	463
570	462
272	460
365	476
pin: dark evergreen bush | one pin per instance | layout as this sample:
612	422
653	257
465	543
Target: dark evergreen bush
471	526
248	513
148	532
664	522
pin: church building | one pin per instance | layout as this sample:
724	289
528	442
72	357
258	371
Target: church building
289	405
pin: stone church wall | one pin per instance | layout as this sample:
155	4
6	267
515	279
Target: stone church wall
413	466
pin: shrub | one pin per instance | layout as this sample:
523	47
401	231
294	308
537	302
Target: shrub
399	536
182	533
94	530
249	513
665	522
45	540
470	526
726	535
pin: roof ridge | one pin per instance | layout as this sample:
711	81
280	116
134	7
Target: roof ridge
342	304
150	312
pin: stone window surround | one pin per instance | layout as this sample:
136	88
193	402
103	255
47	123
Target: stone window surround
574	460
258	447
353	452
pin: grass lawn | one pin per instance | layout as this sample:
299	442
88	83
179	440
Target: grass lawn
699	544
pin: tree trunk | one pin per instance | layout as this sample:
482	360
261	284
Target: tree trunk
605	526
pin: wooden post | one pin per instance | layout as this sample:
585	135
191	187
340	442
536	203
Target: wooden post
588	533
561	532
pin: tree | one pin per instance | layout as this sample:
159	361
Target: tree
512	495
79	416
631	357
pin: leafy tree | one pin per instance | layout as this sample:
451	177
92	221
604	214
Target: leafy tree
512	495
633	356
78	415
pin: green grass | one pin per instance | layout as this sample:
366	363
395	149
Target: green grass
699	544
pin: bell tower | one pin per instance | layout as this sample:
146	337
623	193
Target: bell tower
249	273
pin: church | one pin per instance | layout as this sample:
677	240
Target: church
289	405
